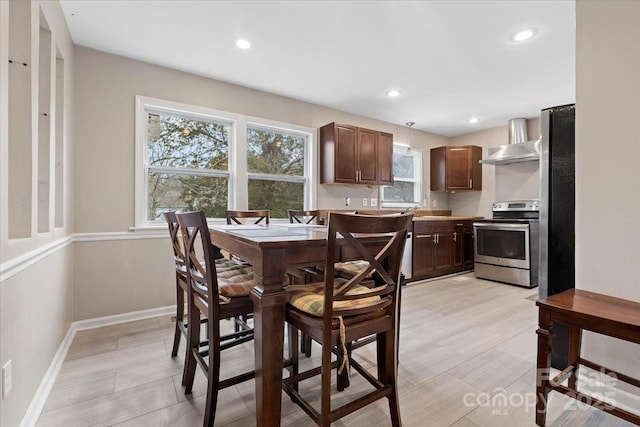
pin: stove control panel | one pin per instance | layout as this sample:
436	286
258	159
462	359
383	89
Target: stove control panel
516	205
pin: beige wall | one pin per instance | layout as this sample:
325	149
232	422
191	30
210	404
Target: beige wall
37	309
36	285
501	182
607	153
106	86
119	276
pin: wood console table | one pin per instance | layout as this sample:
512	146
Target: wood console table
590	311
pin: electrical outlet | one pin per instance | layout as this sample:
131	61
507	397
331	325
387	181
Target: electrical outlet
347	201
6	379
364	201
374	202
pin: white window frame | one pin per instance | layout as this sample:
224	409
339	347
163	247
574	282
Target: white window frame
416	153
237	174
309	163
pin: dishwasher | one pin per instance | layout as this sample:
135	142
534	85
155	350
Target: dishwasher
405	267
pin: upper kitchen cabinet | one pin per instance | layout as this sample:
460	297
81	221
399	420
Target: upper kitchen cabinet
353	155
456	168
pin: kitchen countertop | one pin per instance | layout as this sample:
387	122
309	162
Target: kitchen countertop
418	215
446	218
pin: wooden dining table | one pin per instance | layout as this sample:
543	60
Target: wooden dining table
272	250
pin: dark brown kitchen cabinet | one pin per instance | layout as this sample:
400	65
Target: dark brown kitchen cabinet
468	244
441	247
353	155
463	253
455	169
423	250
385	158
432	247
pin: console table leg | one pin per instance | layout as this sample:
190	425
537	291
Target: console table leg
575	339
543	365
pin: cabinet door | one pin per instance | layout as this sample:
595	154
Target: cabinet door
423	247
438	169
367	158
443	251
459	175
458	245
345	153
469	246
385	158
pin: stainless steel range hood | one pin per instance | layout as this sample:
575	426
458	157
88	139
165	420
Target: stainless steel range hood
518	150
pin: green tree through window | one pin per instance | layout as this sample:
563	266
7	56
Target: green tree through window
188	165
275	163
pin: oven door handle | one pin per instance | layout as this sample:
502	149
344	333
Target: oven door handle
501	226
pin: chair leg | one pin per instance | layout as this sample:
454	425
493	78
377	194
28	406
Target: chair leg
193	346
325	399
293	352
179	318
387	371
213	381
305	345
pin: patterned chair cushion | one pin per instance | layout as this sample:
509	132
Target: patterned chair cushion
225	264
310	298
351	268
234	279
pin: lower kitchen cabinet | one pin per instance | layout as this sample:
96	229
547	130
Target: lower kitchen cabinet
441	247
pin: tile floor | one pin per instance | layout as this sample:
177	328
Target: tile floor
467	346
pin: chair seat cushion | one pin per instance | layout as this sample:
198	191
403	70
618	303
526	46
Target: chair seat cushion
225	264
235	280
310	298
351	268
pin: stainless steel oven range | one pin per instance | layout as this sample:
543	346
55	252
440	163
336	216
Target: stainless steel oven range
506	247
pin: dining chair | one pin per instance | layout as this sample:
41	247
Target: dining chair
215	296
303	217
237	217
224	266
339	311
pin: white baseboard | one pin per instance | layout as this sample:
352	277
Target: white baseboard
99	322
40	398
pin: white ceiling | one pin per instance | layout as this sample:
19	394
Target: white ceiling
451	60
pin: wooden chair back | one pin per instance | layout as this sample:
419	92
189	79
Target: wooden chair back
384	266
200	255
303	217
234	217
177	243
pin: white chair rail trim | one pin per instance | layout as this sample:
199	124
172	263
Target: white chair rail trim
20	263
16	265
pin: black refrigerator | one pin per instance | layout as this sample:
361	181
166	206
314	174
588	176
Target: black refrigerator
557	214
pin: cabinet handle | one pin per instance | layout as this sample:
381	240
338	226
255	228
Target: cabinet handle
459	225
434	238
455	236
471	183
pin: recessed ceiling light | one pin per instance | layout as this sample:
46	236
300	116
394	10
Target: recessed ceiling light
474	120
243	44
393	93
523	35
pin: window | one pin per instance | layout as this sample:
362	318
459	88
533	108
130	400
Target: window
407	176
275	166
191	158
